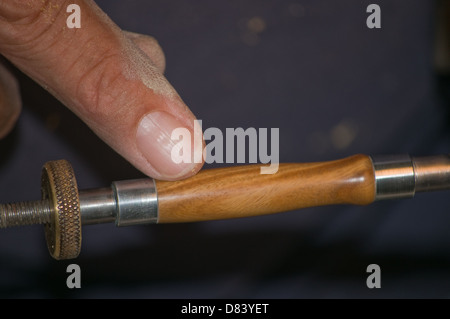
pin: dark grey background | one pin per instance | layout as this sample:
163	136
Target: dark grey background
332	86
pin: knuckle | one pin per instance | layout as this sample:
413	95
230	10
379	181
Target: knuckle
29	25
100	89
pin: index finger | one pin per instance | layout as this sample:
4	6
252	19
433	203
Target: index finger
104	78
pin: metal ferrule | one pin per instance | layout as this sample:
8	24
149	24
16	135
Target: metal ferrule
401	176
137	202
130	202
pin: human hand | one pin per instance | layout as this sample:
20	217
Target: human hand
109	78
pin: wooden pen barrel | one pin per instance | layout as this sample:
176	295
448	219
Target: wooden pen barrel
242	191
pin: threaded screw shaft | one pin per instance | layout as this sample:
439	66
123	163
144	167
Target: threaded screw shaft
25	213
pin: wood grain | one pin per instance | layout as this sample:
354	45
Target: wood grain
242	191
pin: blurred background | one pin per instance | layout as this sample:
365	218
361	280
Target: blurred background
331	85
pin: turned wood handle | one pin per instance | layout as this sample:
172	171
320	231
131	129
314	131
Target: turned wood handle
242	191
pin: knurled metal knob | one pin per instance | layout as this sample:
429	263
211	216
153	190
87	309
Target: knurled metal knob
63	208
59	210
63	232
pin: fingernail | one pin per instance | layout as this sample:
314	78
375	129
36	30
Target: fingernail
154	140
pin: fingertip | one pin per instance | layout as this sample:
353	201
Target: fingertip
173	150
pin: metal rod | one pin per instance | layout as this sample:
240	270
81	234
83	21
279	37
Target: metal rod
401	176
432	173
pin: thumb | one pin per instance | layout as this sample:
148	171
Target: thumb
105	78
149	46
